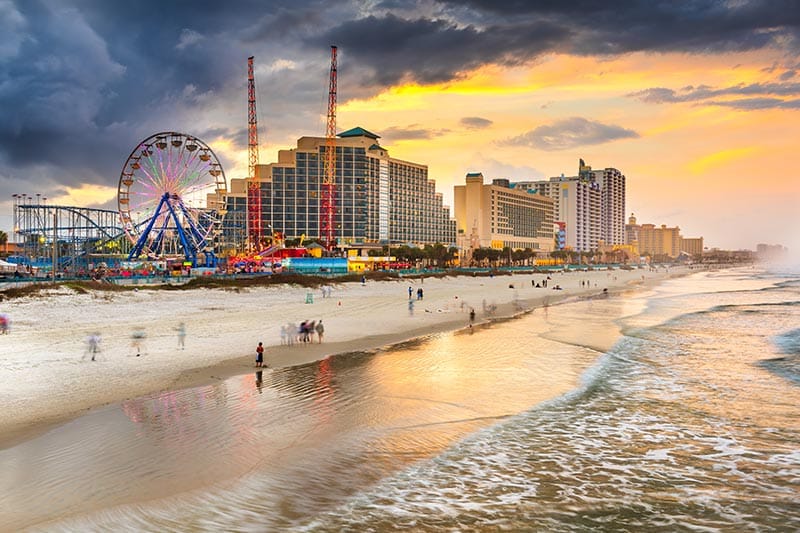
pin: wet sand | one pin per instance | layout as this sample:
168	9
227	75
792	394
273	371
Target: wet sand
50	383
286	444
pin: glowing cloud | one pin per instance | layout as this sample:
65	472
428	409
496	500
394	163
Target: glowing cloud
719	159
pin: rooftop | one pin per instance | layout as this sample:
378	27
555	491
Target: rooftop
359	132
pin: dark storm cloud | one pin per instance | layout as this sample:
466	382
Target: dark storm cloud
570	133
470	33
393	49
82	81
475	123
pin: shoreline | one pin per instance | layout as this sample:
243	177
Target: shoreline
281	356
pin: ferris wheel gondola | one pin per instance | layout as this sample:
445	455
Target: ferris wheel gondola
171	198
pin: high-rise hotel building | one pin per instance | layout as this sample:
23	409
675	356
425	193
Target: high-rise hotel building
496	215
612	204
577	206
379	199
589	206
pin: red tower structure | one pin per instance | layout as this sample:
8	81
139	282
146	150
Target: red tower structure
328	197
253	186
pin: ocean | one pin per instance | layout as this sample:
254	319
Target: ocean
672	409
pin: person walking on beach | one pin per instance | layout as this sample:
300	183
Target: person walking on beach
320	330
410	292
260	355
291	333
92	345
4	324
471	316
137	340
419	293
181	329
410	306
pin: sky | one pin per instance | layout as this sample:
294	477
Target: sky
696	102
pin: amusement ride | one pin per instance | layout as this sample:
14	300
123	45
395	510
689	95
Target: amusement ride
171	199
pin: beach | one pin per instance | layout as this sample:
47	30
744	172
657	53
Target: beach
571	409
49	377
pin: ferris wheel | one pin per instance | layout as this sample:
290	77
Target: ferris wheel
171	198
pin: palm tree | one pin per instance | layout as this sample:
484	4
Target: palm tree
4	241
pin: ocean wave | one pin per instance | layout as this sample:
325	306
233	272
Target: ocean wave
788	342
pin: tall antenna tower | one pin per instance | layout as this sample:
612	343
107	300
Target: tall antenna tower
328	200
253	186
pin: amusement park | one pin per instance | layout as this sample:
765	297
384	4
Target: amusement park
172	202
170	206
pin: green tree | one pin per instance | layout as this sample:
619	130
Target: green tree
4	241
439	254
478	255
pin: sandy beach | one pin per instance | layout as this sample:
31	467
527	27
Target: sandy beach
48	377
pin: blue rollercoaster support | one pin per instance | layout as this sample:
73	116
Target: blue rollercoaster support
86	230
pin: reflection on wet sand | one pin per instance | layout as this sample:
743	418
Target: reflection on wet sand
296	440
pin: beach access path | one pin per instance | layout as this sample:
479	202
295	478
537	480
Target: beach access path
47	376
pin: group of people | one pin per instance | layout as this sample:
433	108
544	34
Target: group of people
290	333
420	293
540	285
326	291
305	332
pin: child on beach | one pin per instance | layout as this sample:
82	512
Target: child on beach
260	355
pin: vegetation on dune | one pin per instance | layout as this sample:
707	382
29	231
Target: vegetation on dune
235	283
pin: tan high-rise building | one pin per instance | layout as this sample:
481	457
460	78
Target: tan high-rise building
658	241
692	245
497	216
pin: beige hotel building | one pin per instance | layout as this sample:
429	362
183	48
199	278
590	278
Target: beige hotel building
495	215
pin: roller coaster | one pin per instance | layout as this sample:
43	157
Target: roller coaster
82	235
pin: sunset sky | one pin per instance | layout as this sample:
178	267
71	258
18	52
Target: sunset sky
697	103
